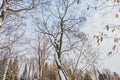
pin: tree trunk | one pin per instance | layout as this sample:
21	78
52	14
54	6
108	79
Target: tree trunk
6	69
61	72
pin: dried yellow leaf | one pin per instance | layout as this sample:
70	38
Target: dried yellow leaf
101	39
114	47
98	40
107	27
118	1
116	40
116	15
88	7
97	37
113	30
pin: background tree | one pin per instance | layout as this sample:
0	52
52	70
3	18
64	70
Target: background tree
64	32
11	16
41	51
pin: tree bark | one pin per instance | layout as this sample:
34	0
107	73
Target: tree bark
6	69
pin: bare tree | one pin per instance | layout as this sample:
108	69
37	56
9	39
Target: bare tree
41	51
63	33
9	40
13	8
83	57
10	18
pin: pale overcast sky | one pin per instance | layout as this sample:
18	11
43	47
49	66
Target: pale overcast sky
95	24
96	21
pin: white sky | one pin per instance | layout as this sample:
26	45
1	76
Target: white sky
96	20
95	24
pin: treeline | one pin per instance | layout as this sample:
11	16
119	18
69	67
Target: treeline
49	72
9	69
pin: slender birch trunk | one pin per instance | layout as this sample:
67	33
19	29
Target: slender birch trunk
6	69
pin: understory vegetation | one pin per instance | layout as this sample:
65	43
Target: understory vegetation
49	72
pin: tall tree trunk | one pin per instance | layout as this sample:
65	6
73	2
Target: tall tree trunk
61	72
33	70
40	67
6	69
